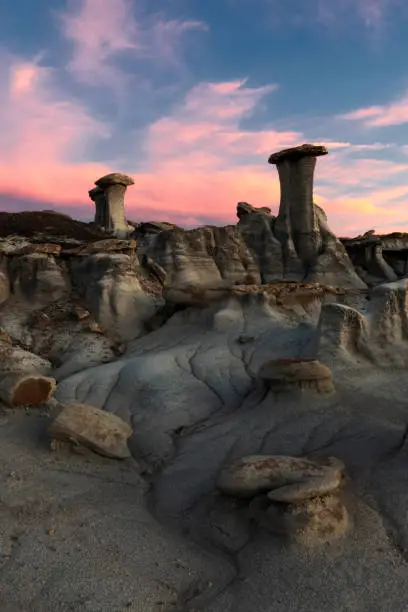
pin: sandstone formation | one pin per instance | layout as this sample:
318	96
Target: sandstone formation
309	248
26	389
287	479
109	198
294	497
82	424
294	374
311	522
379	258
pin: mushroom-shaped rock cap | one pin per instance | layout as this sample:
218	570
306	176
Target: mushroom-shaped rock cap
295	153
283	374
288	479
95	192
115	178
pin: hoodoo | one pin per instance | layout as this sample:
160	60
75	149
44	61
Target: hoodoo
297	221
109	198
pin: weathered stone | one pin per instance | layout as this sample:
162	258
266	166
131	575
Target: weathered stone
112	291
80	314
199	296
110	203
291	374
310	523
18	389
154	227
103	432
47	248
379	258
288	479
202	256
296	153
310	251
38	279
97	195
115	178
244	209
110	245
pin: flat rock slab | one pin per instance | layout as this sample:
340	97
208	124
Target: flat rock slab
288	479
103	432
296	153
115	178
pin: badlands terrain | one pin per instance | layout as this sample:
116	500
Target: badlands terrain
209	419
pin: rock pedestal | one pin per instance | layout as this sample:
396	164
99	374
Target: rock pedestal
109	198
97	195
297	225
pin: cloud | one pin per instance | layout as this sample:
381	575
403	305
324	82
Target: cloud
189	169
372	13
103	31
395	113
45	136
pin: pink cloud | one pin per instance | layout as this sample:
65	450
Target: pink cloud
395	113
205	129
363	173
98	30
41	133
44	136
102	30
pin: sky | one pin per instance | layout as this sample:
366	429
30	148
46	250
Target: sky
190	97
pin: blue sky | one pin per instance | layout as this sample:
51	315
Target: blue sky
190	98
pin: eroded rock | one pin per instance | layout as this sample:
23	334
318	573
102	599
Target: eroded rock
292	374
18	389
287	479
103	432
109	201
311	522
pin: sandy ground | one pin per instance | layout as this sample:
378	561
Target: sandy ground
75	533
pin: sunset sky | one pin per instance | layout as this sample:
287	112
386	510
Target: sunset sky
190	97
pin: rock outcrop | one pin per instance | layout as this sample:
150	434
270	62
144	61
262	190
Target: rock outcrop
379	258
296	374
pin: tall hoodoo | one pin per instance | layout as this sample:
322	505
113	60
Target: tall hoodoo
97	195
109	198
297	224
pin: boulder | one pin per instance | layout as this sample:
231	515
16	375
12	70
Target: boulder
311	522
293	374
287	479
18	389
101	431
